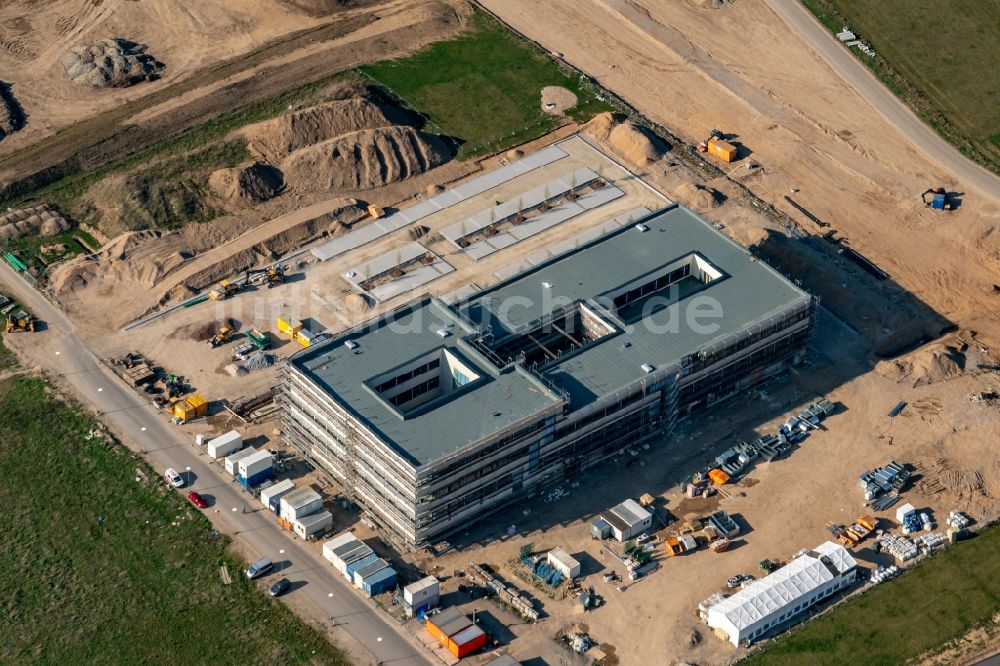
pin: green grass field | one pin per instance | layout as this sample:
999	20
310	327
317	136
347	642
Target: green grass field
483	88
942	58
96	567
937	601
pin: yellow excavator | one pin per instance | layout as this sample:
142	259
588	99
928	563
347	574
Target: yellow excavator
21	321
224	335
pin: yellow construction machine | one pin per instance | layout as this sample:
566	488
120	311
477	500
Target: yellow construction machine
21	321
223	291
224	335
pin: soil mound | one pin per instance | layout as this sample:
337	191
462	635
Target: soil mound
357	303
322	7
634	144
11	114
248	183
110	63
929	365
44	220
600	126
275	139
699	197
365	159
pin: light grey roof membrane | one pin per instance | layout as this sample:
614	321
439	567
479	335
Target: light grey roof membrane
748	292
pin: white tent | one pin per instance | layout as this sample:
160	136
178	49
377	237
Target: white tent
772	601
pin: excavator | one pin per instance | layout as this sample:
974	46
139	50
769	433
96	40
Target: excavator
275	276
21	321
939	199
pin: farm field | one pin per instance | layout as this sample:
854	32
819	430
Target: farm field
942	58
933	603
97	567
482	88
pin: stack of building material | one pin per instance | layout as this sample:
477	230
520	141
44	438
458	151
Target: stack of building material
898	546
456	632
723	524
958	520
931	542
882	574
508	594
883	479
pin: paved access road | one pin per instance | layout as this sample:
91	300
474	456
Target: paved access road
804	24
145	430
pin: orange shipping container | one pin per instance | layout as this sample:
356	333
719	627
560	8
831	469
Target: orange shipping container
467	641
724	150
718	476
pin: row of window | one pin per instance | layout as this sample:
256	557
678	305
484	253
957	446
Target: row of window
407	376
409	394
650	287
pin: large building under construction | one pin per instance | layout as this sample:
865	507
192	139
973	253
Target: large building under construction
435	415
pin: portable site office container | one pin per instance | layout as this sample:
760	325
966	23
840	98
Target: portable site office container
255	462
375	578
467	641
628	520
225	444
271	497
359	560
446	623
562	562
346	552
300	502
255	480
232	461
336	542
314	523
422	595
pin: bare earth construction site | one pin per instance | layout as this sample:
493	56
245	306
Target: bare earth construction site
487	368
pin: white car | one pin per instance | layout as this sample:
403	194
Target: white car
173	478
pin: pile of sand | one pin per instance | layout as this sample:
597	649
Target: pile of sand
346	144
126	257
364	160
699	197
324	7
253	183
634	144
600	126
934	363
11	114
44	220
275	139
357	303
110	63
557	100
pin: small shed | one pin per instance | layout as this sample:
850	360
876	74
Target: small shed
562	562
628	520
600	529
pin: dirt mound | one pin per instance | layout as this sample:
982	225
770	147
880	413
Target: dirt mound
11	113
556	99
248	183
929	365
634	143
699	197
202	332
514	154
275	139
357	303
110	63
323	7
143	200
364	160
600	126
44	220
125	257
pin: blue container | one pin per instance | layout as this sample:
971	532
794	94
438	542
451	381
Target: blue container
257	479
379	582
938	202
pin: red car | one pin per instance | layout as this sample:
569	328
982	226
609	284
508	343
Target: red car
197	500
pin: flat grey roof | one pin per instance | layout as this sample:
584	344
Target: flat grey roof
747	294
749	291
445	426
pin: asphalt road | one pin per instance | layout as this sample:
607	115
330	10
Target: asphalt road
804	24
147	431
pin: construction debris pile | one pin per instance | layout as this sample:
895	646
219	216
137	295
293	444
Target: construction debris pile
110	63
899	547
883	484
44	220
11	114
258	361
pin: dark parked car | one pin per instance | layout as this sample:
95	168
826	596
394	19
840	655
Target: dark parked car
279	587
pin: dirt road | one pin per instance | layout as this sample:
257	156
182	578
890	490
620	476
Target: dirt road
892	109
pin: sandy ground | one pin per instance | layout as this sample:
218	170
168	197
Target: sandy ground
740	69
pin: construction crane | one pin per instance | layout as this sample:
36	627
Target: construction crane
21	321
937	199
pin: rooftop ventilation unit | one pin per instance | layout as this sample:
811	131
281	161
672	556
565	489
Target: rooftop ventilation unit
350	344
642	227
547	285
443	332
647	367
